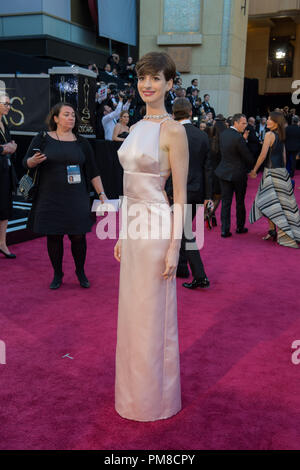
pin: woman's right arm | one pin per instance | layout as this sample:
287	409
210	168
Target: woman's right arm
115	134
32	159
268	141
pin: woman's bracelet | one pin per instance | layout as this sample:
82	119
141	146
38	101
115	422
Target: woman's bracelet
100	194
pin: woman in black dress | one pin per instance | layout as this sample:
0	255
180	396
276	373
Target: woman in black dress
8	180
66	167
121	129
275	197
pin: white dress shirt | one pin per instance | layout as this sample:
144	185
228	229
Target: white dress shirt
110	120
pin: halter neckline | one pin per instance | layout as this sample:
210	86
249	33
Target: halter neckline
155	122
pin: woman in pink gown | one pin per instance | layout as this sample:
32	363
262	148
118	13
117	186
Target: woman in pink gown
147	384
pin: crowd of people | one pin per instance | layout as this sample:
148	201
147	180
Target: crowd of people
193	156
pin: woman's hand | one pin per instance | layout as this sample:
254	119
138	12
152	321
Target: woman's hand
36	159
253	174
171	263
117	250
246	134
102	197
9	148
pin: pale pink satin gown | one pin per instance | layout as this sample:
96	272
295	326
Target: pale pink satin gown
147	386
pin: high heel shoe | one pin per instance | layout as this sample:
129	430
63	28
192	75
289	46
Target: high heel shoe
208	223
214	221
83	281
8	255
57	281
272	234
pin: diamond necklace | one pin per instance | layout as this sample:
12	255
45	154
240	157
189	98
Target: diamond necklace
156	116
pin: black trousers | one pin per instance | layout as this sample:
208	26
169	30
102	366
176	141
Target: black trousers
192	257
291	163
228	188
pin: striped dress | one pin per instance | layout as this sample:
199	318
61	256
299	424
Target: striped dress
275	198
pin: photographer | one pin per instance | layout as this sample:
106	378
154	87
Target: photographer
129	72
93	67
110	117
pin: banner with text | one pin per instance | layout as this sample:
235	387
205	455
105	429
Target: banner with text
30	102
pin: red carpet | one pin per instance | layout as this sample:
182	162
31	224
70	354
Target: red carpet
240	388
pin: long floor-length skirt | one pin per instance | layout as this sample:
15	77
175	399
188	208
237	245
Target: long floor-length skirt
147	384
275	200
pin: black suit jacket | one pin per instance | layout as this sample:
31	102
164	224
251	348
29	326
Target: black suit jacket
253	142
190	89
200	175
169	101
292	138
236	159
208	109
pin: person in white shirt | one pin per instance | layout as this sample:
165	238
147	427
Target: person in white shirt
262	128
110	117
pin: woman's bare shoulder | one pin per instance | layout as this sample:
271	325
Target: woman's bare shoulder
174	128
270	136
133	126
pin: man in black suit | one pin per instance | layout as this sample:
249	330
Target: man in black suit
199	190
170	98
189	89
253	142
236	162
292	145
207	107
193	100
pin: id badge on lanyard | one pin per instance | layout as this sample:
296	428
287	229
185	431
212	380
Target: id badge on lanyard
73	174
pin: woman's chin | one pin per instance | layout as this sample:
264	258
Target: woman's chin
149	99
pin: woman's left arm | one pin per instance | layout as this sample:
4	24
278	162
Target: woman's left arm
179	162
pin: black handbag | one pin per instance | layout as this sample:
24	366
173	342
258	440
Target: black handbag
28	185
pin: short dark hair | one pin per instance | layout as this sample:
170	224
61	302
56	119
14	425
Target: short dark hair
55	111
181	109
206	94
237	117
155	62
194	79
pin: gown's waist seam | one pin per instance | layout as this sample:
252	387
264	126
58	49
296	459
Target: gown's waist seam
141	173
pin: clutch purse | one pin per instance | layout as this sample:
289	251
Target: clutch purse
28	186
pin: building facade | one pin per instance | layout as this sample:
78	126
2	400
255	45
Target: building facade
66	30
206	38
273	50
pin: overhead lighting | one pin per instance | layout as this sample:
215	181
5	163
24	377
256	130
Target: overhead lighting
279	54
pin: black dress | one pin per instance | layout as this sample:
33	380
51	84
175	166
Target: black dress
123	135
7	179
275	198
60	207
